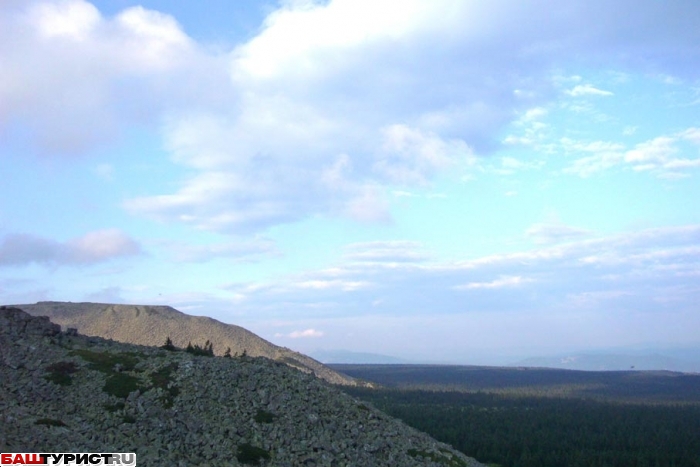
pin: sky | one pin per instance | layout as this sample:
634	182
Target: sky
447	180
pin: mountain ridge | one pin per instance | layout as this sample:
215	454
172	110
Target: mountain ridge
153	324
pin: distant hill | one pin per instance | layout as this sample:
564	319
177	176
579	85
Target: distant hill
152	325
609	362
347	356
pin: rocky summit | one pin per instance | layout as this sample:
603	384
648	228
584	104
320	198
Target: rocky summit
65	392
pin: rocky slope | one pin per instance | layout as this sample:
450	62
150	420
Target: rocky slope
62	392
151	325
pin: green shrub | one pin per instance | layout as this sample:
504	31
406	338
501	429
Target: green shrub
121	385
264	417
111	408
60	373
249	454
49	422
106	361
162	379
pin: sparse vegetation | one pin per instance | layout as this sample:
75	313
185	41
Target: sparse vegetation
249	454
121	385
107	361
114	365
264	416
163	379
49	422
112	408
206	351
60	373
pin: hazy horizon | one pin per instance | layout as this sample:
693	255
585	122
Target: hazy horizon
437	180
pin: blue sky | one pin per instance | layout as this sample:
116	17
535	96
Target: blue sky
461	181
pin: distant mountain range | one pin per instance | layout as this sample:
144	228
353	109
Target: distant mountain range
152	325
611	362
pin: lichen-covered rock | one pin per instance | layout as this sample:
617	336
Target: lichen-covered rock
70	393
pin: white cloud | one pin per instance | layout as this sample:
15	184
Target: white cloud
93	247
411	156
587	90
510	165
658	155
654	151
645	263
346	286
692	135
73	79
535	113
331	106
307	333
396	251
504	281
74	20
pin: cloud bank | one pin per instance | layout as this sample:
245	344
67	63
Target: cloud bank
328	108
93	247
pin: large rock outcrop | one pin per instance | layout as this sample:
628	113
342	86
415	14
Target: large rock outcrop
64	392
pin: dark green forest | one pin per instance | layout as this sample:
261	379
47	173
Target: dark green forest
541	418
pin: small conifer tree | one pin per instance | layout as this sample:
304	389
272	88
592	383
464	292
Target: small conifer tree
168	344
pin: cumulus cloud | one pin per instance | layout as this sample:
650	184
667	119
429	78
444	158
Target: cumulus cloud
329	108
587	90
93	247
73	79
369	116
410	156
307	333
664	155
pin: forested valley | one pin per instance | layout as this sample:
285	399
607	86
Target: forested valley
541	418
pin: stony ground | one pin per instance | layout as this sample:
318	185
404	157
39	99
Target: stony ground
71	393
